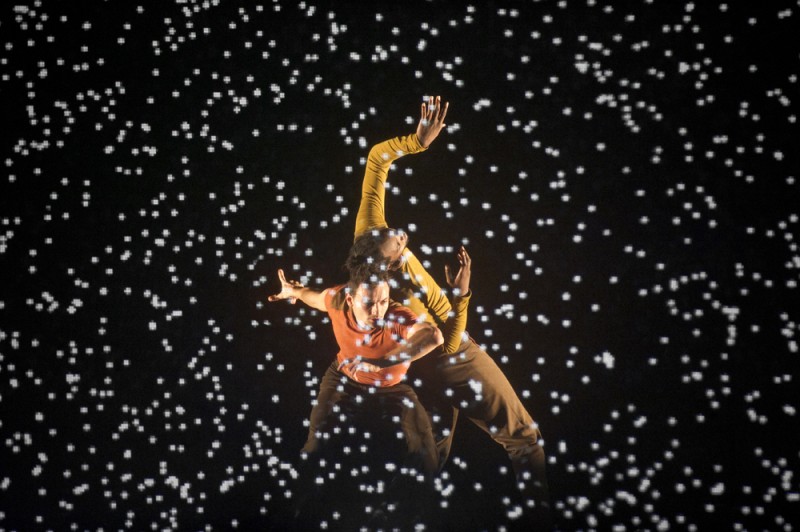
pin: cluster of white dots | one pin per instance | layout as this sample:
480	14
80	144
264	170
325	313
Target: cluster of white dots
624	177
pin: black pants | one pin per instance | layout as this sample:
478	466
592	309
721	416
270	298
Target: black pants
342	398
345	406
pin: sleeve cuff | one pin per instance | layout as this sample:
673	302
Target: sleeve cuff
415	143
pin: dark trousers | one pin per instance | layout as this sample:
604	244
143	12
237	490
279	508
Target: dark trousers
469	383
340	397
345	406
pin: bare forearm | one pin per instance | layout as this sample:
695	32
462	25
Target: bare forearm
311	297
422	342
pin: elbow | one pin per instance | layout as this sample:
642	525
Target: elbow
438	337
426	337
375	156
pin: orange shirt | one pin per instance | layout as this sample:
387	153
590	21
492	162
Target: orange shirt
368	344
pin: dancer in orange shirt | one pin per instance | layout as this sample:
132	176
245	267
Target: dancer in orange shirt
378	340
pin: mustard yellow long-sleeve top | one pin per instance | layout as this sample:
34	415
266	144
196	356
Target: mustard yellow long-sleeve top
417	289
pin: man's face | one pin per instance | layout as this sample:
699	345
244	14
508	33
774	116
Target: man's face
393	246
369	304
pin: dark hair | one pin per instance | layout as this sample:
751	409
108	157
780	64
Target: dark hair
362	276
365	257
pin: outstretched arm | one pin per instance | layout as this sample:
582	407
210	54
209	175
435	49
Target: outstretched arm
371	210
292	291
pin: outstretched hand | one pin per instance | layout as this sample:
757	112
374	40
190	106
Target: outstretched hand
431	121
460	283
287	289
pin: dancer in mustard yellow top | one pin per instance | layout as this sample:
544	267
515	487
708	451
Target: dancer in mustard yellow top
461	374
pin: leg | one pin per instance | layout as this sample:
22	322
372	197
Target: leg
331	393
442	414
416	426
410	494
482	392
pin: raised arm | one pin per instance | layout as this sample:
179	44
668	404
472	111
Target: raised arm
371	210
292	291
423	295
456	324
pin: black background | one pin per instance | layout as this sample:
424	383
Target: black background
624	175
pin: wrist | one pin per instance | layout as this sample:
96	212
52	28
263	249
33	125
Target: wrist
419	138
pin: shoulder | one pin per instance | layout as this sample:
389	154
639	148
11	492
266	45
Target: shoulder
411	263
334	297
413	270
401	315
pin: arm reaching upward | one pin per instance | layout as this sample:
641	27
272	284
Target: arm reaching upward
456	324
292	291
371	214
420	293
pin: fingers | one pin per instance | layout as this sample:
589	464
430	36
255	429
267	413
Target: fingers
433	111
464	258
282	279
284	282
461	279
428	110
436	112
442	112
286	287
